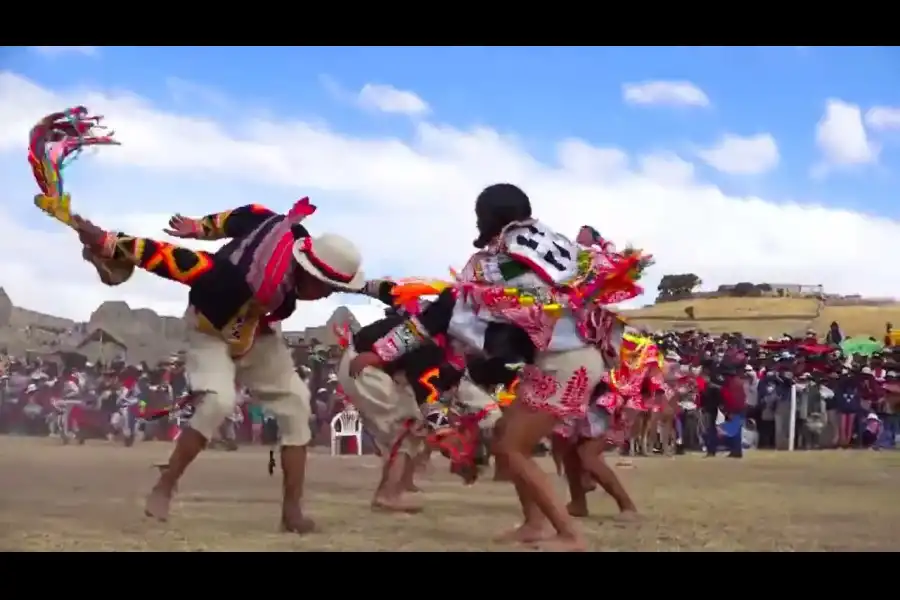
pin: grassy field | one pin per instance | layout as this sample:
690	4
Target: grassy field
763	317
90	498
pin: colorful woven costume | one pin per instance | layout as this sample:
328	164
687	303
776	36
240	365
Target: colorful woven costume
514	281
532	278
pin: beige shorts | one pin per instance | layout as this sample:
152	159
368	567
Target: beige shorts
386	407
267	370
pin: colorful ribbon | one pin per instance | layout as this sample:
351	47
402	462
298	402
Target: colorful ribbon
57	140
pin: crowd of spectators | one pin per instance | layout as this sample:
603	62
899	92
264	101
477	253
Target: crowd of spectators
31	388
844	392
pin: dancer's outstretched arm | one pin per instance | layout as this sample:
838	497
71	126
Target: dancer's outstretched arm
216	226
160	258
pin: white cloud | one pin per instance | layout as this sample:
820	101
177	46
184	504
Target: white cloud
667	168
842	138
738	155
53	51
388	99
883	118
407	204
670	93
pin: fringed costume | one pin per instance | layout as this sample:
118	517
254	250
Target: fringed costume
551	292
422	387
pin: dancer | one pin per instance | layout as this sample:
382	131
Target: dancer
392	399
580	442
238	296
528	278
500	375
611	417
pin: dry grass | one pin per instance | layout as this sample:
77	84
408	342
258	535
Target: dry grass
860	320
762	317
89	498
730	308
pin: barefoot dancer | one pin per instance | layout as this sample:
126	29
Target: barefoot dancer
664	408
511	349
632	387
238	295
390	400
527	277
580	443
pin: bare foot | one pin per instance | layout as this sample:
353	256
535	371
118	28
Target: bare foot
523	534
412	488
157	504
628	515
577	510
560	543
396	505
294	522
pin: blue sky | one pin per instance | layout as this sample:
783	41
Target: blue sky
540	93
532	100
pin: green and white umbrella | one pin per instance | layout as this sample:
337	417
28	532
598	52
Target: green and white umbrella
863	346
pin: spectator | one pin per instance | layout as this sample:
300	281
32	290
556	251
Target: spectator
255	413
783	380
834	336
848	407
729	432
768	394
828	391
751	394
890	410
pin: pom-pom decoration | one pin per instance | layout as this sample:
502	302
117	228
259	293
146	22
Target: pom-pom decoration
409	291
57	140
343	334
644	262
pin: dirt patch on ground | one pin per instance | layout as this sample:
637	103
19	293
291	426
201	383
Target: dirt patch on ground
90	498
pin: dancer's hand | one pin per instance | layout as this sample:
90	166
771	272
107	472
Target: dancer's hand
361	361
183	227
92	236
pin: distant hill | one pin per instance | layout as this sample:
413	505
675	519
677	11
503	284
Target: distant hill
763	317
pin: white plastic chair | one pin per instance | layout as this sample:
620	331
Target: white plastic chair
346	424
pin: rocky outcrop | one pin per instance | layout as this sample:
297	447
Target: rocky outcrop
6	308
325	334
144	335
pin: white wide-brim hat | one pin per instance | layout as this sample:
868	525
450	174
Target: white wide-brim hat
331	258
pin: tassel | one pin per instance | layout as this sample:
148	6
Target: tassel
57	140
301	209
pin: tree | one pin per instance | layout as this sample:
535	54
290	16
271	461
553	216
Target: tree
677	286
764	287
742	289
